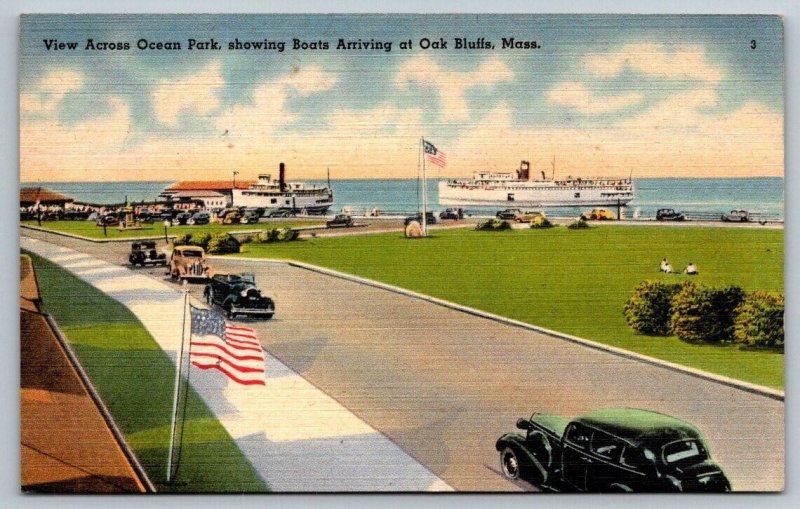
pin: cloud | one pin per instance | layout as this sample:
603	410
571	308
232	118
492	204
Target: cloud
424	71
50	91
195	94
268	109
577	96
673	138
687	62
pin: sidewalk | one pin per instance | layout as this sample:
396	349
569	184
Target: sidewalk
297	437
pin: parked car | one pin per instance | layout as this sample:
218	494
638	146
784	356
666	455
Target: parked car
230	216
108	220
76	215
508	214
340	221
238	294
454	214
145	216
280	213
199	218
430	218
145	253
670	215
737	216
598	215
249	217
611	450
528	216
181	218
189	263
168	214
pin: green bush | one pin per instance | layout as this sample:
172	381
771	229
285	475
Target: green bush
183	240
578	224
541	222
649	308
276	235
493	225
201	240
705	315
759	321
222	243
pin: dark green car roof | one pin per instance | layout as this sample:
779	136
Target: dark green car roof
637	425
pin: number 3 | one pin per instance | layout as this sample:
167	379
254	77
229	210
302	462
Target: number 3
753	44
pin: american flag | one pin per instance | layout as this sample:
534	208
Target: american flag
232	350
433	154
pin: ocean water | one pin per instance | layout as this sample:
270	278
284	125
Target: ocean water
700	198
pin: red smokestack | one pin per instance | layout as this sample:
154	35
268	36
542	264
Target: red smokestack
282	177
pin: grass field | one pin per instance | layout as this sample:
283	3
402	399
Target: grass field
89	229
135	379
571	281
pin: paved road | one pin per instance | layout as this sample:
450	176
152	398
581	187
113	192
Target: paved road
443	385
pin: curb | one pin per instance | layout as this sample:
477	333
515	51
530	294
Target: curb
90	239
723	380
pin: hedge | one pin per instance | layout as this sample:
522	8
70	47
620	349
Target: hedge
703	314
649	308
759	321
541	222
222	243
578	224
493	225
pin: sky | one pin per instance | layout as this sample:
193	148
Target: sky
652	96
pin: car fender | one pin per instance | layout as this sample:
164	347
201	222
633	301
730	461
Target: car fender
533	468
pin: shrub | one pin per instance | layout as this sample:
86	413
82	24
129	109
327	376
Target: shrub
705	315
541	222
759	321
201	240
222	243
276	235
183	240
578	224
493	225
649	308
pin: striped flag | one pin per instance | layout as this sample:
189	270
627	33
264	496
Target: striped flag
232	350
433	154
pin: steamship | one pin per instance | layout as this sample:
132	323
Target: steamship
272	194
504	189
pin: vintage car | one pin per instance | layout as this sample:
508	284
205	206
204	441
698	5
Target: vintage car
454	214
670	215
189	263
528	216
181	218
611	450
429	216
249	216
340	221
238	294
736	216
145	253
199	218
110	219
280	213
508	214
598	215
230	216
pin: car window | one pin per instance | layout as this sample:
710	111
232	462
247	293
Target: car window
606	446
579	436
634	457
684	450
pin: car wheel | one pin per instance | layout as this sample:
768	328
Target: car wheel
190	222
509	464
175	275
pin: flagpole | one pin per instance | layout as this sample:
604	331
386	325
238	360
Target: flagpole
424	195
178	365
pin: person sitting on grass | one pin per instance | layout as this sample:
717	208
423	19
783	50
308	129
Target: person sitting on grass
666	267
691	269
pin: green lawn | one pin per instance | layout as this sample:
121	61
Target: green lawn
135	379
571	281
89	229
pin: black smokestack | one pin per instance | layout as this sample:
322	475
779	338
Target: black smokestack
282	177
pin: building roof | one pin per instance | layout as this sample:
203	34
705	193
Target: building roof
638	425
208	185
30	195
198	194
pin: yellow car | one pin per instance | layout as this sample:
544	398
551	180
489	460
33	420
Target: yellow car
598	215
528	216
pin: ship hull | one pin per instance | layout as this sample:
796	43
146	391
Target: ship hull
311	203
543	196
